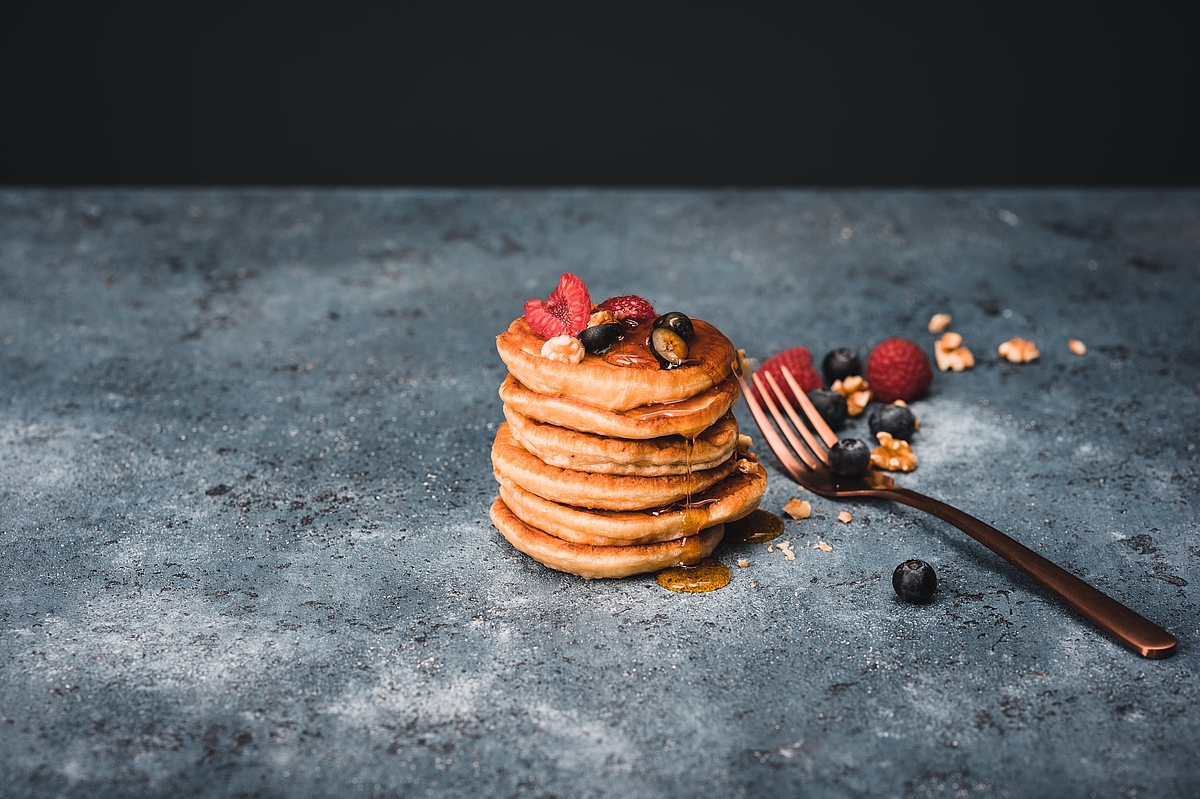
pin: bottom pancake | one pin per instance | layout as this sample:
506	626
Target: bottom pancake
592	561
729	500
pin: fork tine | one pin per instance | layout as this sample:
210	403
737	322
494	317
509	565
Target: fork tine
818	422
784	427
813	444
793	466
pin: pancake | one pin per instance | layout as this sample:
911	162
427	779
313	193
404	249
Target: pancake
625	377
569	449
584	489
592	561
686	418
729	500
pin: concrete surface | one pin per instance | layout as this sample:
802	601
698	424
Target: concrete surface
244	482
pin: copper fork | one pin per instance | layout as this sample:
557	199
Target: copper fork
808	464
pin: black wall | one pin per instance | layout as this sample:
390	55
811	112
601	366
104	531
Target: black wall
836	93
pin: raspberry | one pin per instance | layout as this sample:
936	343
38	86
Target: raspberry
898	369
630	306
798	361
564	313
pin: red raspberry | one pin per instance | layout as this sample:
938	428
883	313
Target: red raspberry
798	361
898	369
630	306
564	313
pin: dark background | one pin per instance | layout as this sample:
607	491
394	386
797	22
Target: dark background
610	94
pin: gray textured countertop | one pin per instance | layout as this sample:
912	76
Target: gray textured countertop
244	482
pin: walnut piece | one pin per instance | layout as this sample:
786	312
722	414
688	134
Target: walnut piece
743	563
951	355
893	454
939	322
786	548
798	508
567	349
1018	350
821	545
857	392
1077	347
844	517
602	318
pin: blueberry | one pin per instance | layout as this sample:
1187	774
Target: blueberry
668	346
679	322
895	419
914	581
831	405
840	364
849	457
598	339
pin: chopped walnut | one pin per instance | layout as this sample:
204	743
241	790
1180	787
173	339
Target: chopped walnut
1018	350
844	517
744	443
747	466
786	548
1077	347
821	545
939	322
893	454
743	563
857	392
798	508
951	355
602	318
567	349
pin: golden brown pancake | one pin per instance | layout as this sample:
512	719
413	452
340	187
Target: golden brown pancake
570	449
592	561
729	500
625	377
584	489
684	418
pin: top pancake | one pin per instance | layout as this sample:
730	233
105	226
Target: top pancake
627	376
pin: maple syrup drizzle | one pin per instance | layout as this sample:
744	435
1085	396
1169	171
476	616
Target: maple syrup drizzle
707	575
632	350
758	527
689	446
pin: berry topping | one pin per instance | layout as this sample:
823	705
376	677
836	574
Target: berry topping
564	313
894	419
598	339
831	405
898	369
914	581
849	457
798	361
840	364
629	307
678	322
669	347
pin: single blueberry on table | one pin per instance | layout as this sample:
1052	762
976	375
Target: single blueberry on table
831	405
840	364
849	457
894	419
914	581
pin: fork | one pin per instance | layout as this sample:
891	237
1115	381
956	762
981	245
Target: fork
808	465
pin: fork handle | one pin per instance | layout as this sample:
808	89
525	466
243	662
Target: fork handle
1139	634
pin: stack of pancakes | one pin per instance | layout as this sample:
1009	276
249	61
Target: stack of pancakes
614	466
